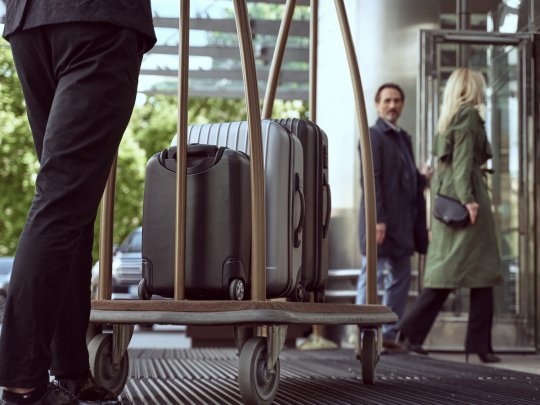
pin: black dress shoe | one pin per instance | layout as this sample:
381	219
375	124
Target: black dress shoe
415	348
54	395
488	358
87	389
391	346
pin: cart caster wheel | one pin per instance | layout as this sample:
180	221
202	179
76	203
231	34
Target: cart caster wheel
368	355
299	293
101	364
237	290
257	384
143	291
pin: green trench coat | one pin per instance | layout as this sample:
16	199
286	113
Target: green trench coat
463	257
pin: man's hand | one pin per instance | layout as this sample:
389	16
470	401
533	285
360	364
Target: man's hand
473	211
381	232
427	171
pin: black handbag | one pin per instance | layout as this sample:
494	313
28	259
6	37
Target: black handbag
450	211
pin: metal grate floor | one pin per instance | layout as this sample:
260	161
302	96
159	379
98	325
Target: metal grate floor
208	376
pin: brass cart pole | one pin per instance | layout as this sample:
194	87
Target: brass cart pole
181	152
313	58
106	236
258	241
318	330
277	59
365	149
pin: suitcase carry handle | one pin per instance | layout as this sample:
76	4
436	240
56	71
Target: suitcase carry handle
300	228
199	149
208	156
326	224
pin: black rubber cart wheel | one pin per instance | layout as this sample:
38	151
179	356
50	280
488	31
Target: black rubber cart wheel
101	364
368	355
257	384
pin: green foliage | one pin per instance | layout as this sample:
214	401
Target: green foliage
128	191
290	109
18	165
154	123
11	98
205	110
150	130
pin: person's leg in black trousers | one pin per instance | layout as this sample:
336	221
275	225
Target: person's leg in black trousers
478	338
79	82
418	321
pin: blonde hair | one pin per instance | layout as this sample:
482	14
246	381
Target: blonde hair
464	86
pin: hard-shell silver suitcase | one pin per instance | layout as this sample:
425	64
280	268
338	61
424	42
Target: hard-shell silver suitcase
284	198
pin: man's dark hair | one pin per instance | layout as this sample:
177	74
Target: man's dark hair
389	86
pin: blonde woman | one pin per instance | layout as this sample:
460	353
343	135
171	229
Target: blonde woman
460	257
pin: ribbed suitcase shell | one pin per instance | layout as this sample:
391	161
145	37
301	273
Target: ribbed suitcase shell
315	244
284	170
218	226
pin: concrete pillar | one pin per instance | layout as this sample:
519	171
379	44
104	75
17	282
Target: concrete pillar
386	34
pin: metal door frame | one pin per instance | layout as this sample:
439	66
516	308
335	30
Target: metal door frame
528	284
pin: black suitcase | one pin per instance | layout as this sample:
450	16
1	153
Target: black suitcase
218	224
315	248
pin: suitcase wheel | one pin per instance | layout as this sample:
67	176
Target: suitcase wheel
106	373
237	289
258	384
299	294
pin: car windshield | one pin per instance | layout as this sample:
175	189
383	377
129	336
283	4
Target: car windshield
133	243
5	265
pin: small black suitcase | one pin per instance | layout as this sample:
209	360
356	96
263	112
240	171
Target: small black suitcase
315	247
218	224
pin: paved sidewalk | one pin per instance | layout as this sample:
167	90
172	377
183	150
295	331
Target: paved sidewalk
525	363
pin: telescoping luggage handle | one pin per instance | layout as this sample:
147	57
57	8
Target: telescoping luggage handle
367	161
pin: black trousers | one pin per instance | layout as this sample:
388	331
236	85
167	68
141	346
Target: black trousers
79	82
420	318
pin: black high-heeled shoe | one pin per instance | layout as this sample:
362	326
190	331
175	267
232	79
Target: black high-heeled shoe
488	358
484	357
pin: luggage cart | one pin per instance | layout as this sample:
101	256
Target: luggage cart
259	326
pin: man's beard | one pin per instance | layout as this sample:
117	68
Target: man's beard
392	117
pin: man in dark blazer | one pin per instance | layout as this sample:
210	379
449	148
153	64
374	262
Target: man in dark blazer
401	226
78	62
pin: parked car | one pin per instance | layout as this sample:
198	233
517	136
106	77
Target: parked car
126	267
6	264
